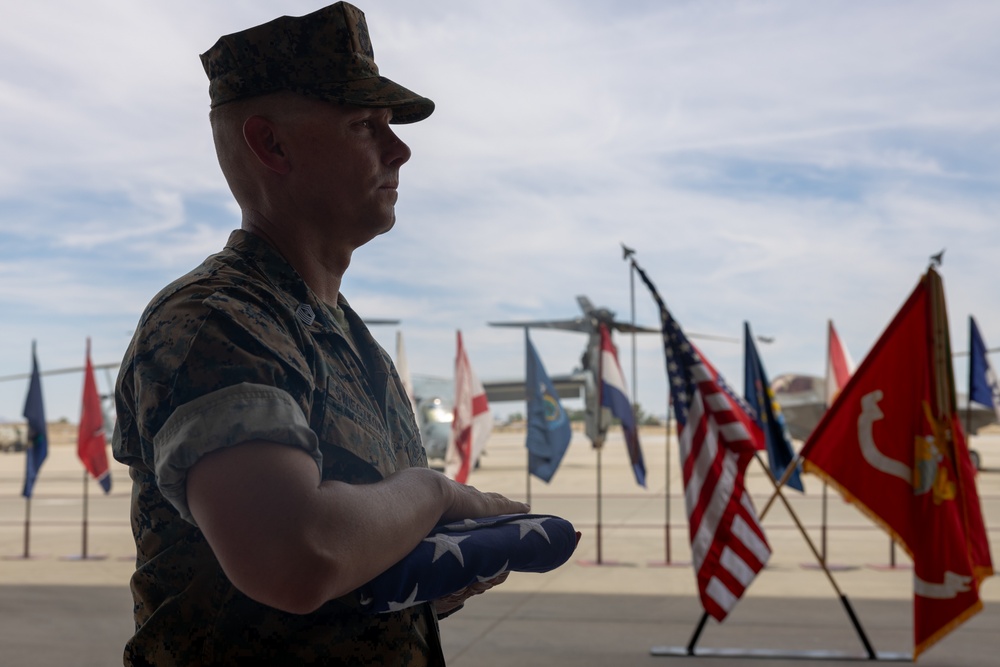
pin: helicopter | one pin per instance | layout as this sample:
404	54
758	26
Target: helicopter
583	379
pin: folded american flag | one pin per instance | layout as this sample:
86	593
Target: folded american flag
458	554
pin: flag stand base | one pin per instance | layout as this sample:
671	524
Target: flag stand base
673	563
833	567
23	557
876	566
87	557
775	654
601	563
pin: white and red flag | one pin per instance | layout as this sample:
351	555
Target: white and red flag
472	422
892	443
717	440
91	444
839	365
614	396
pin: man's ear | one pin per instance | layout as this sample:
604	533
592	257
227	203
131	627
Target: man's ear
261	137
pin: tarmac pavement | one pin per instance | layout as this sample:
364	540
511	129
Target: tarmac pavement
615	601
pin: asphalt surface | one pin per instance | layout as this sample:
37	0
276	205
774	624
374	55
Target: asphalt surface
619	600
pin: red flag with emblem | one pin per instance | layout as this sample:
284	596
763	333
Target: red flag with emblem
893	445
91	445
472	421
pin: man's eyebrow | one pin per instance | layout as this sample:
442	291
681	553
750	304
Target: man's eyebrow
354	111
381	111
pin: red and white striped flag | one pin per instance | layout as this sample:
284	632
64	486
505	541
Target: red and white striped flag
472	422
717	441
839	365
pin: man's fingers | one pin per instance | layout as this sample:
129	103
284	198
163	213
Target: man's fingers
470	503
449	602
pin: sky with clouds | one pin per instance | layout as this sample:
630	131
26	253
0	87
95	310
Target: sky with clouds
771	161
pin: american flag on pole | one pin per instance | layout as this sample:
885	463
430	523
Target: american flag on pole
717	440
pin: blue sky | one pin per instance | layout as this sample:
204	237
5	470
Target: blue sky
773	161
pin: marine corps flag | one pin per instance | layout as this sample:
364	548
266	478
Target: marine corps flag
892	444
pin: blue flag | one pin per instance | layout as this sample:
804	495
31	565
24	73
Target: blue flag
767	413
548	425
983	386
38	439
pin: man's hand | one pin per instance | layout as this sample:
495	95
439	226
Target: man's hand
453	602
468	502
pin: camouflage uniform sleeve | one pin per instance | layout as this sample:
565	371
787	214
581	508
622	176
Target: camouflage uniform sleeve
225	418
213	371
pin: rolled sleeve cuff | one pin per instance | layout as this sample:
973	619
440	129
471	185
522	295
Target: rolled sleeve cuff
224	418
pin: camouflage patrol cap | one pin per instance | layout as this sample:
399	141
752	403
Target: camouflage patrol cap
326	54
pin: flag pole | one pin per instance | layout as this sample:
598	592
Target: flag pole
826	400
90	447
527	420
86	494
81	434
780	483
697	633
599	539
635	390
848	608
666	493
805	535
36	441
599	444
968	395
822	523
627	255
27	525
527	470
635	373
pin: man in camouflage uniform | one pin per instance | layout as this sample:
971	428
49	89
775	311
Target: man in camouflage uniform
275	459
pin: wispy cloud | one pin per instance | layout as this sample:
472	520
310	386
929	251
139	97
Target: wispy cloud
774	161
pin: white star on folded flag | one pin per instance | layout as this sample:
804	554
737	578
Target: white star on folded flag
447	544
533	525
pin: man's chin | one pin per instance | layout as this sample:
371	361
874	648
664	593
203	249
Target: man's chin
388	226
